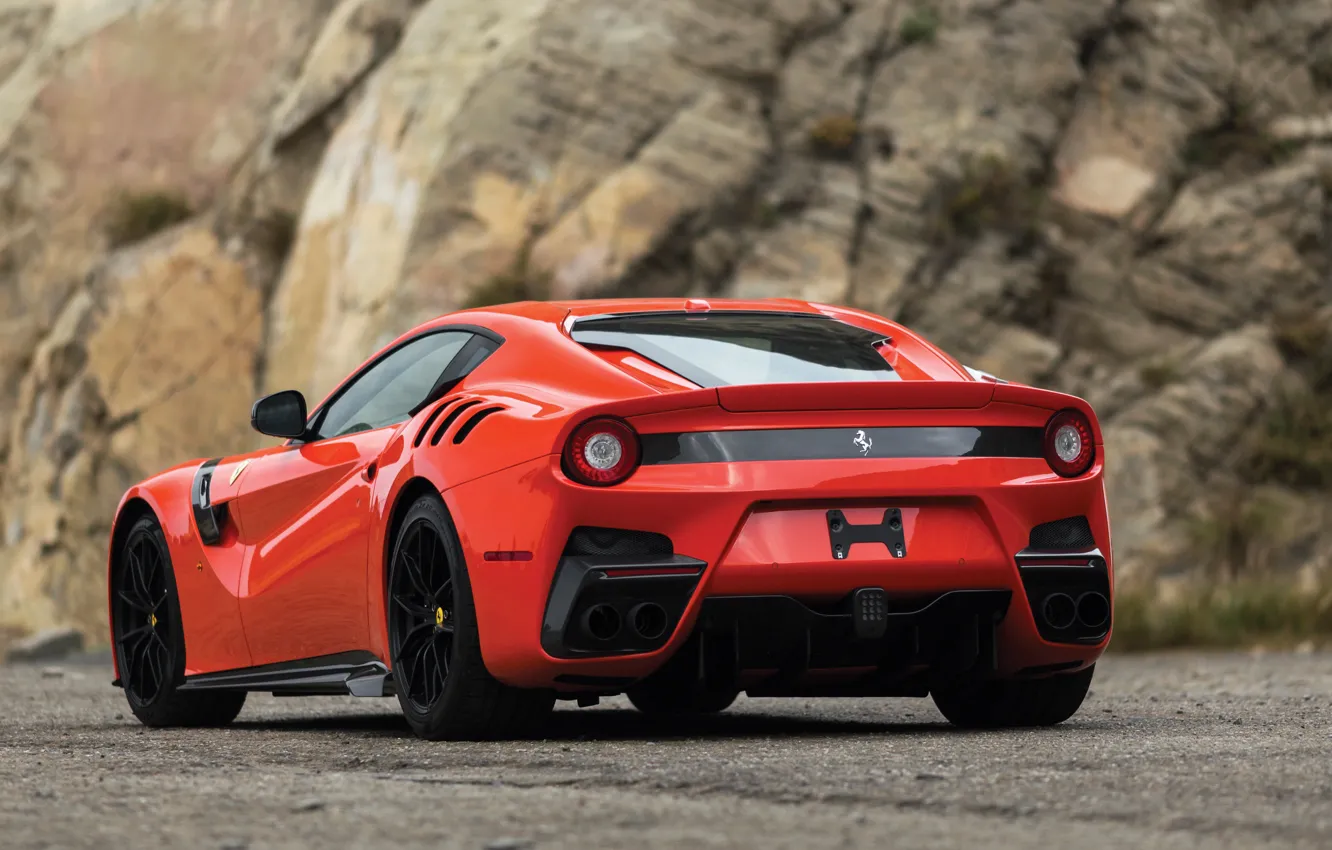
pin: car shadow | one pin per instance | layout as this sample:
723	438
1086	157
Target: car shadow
616	724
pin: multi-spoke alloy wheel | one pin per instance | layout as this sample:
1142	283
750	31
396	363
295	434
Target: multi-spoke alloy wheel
149	638
442	684
145	629
422	607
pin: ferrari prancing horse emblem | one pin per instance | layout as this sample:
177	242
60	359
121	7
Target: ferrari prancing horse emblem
864	442
235	473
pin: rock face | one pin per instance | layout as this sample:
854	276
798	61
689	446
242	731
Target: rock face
1125	199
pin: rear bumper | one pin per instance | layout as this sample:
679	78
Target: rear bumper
760	530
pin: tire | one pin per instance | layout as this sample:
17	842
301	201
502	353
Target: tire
150	641
1015	703
664	702
443	686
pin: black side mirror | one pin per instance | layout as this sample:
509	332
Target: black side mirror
280	415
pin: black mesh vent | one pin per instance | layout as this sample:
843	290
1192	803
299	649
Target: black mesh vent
618	543
1062	535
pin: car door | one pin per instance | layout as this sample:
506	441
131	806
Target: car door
305	510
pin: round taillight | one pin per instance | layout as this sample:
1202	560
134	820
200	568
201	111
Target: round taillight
1069	445
601	452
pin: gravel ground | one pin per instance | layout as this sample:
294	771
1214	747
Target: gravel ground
1169	751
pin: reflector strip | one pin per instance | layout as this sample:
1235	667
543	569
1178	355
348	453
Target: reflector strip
508	556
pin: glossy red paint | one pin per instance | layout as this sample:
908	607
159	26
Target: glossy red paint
300	570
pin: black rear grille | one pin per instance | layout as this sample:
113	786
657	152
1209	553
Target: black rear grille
1073	534
588	541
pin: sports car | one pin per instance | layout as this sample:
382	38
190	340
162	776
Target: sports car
675	499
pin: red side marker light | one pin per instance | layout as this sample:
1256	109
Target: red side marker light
508	556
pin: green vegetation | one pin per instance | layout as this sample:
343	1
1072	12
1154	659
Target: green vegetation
1234	615
921	26
835	136
134	216
988	194
520	282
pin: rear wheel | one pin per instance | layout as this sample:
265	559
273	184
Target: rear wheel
149	639
444	688
1015	703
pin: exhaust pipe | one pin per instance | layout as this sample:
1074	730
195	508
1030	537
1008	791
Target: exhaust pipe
648	620
601	622
1093	610
1059	610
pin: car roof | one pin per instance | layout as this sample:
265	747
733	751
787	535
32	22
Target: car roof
557	311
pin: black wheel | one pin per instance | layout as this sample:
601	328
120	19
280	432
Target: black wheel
149	639
1014	703
444	688
665	702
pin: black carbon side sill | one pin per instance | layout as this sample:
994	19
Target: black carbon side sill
841	443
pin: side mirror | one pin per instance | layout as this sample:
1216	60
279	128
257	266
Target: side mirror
280	415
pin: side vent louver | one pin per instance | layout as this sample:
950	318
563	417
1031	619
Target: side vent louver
450	419
472	423
430	420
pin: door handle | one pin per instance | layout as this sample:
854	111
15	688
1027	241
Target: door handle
368	474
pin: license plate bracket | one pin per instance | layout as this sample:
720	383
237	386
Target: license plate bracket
888	531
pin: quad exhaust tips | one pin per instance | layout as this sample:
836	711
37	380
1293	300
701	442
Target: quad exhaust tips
1091	610
648	620
1059	610
603	622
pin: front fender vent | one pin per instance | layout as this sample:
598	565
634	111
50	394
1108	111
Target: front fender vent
473	422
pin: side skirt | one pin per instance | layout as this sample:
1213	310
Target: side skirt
360	674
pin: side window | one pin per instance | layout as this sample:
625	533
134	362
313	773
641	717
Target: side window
387	392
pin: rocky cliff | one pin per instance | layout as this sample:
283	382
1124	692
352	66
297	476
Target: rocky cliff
201	200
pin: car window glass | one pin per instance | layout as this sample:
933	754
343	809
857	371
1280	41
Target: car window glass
718	349
386	393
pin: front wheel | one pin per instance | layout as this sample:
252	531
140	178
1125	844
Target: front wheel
445	691
1015	703
150	641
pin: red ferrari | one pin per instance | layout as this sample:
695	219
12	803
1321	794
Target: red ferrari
676	499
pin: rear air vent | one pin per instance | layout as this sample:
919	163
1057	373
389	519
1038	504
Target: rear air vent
472	423
588	541
1063	535
430	420
450	419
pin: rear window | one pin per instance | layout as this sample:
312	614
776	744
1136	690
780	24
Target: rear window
720	349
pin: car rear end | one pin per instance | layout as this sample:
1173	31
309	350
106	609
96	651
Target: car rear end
808	515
